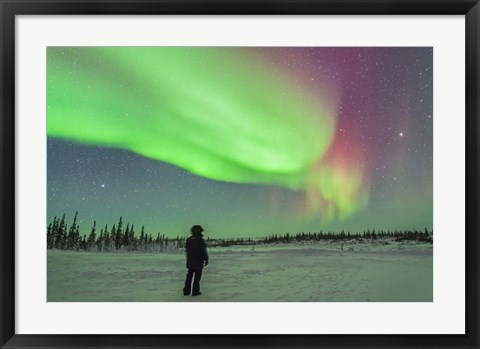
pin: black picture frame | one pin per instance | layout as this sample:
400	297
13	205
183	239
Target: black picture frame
11	8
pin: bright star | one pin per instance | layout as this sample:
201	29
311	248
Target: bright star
103	185
401	134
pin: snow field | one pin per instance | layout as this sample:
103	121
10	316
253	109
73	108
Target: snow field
397	272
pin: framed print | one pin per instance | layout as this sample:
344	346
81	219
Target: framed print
235	174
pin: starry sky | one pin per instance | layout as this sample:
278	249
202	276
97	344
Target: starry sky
245	141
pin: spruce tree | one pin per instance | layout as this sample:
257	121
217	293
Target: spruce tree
49	236
142	242
118	234
59	233
64	239
133	239
54	231
71	233
99	242
76	238
111	246
126	238
92	237
106	239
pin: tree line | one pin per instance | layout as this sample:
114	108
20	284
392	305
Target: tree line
398	235
64	237
368	235
119	238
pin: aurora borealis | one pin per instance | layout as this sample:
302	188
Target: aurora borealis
245	141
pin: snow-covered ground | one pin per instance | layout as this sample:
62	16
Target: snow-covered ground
373	271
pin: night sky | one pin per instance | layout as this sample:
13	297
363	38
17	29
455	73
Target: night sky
245	141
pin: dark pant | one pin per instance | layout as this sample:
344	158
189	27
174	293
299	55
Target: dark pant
196	281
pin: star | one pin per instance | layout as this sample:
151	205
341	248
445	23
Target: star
401	134
103	185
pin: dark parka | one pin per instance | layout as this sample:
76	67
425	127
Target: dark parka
196	252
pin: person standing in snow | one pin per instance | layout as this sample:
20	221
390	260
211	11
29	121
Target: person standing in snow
197	258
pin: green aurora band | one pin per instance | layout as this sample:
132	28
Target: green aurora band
212	111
